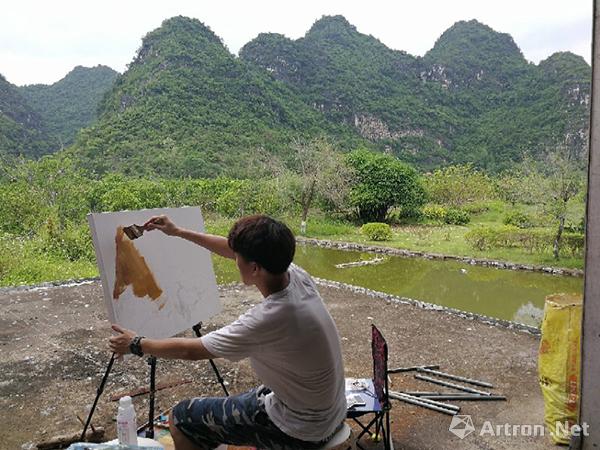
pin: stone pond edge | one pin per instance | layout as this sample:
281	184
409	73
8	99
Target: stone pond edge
354	246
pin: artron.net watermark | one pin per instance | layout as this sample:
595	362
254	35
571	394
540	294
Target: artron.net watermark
462	426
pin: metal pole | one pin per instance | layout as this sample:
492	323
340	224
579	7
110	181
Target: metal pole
427	400
196	329
451	385
150	430
589	417
418	402
410	369
98	394
456	377
420	393
466	397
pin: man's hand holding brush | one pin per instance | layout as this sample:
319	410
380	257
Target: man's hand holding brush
162	223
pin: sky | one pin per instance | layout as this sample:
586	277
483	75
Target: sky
41	41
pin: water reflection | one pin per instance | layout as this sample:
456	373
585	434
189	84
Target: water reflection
529	314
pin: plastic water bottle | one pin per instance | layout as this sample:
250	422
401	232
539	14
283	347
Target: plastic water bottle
126	426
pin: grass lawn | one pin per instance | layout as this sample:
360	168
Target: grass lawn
435	238
447	240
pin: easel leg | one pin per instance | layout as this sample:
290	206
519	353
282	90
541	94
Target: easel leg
150	430
196	329
98	394
388	431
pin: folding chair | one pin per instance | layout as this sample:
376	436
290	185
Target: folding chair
381	405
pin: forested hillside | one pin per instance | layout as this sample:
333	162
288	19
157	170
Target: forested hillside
71	103
40	119
472	98
21	128
187	107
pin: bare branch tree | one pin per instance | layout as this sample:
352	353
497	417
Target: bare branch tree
318	170
553	182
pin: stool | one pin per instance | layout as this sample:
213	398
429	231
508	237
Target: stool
341	440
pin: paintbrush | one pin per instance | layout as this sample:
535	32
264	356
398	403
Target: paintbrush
134	231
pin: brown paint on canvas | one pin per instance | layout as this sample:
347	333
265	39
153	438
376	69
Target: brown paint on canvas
131	269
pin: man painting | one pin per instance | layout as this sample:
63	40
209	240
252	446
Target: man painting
290	338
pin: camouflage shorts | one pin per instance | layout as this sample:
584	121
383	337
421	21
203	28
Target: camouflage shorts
237	420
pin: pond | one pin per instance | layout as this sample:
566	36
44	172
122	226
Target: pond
505	294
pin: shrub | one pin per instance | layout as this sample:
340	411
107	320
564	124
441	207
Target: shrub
575	243
477	207
441	214
21	208
518	219
509	236
233	202
76	243
405	215
383	182
576	227
28	263
455	216
435	213
227	196
71	241
480	238
377	231
458	185
243	197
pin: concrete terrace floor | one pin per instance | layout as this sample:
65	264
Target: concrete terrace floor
54	353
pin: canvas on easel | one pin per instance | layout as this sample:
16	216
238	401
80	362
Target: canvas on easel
156	285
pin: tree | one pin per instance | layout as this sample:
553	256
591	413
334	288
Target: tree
317	170
511	186
565	180
383	182
553	182
457	185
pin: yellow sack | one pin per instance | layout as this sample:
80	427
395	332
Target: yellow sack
559	363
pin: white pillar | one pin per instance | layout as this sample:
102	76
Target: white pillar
590	339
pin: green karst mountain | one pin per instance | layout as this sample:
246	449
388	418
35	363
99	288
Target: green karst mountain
71	103
472	55
187	107
509	106
472	98
39	119
21	128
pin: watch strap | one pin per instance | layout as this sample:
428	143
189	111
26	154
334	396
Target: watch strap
135	346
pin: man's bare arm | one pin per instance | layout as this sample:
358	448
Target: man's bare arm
176	348
216	244
170	348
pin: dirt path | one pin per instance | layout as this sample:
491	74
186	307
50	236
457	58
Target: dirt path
54	353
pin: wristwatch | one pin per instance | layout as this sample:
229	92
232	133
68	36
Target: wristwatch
135	346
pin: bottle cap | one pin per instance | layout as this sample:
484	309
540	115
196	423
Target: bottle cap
125	401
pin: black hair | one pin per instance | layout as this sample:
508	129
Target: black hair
265	241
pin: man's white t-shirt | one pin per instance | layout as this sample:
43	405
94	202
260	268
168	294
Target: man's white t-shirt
294	348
